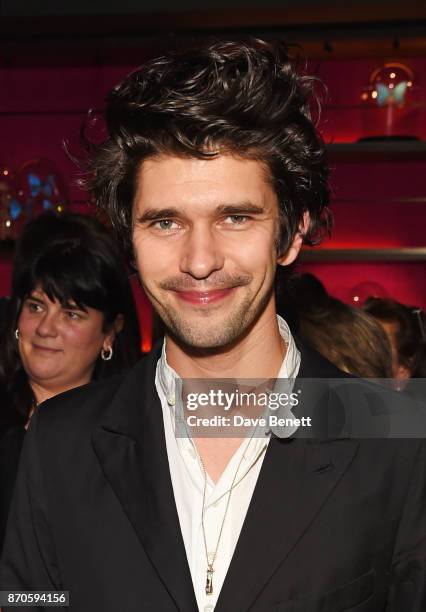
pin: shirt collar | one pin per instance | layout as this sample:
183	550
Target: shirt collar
166	376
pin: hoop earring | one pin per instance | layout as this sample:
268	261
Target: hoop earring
17	333
106	354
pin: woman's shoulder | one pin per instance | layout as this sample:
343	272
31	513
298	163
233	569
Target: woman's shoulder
81	408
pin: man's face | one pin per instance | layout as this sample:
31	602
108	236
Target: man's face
205	243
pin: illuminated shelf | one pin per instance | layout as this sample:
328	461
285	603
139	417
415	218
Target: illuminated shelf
343	255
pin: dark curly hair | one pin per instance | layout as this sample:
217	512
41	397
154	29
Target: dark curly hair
239	98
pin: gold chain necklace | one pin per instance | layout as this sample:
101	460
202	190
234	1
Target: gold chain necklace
210	559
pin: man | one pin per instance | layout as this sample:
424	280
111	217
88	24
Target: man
214	172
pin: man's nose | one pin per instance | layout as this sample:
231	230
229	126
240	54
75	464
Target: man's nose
48	324
201	253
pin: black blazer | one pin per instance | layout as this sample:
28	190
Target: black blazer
333	525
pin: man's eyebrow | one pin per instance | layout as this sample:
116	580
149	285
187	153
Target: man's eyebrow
154	214
238	208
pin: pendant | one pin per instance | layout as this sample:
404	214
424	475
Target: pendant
209	581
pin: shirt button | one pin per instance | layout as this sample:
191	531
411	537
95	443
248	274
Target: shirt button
171	400
208	608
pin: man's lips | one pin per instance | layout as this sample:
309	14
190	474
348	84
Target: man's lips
204	297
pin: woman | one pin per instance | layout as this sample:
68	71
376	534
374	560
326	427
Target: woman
70	319
346	336
349	338
405	328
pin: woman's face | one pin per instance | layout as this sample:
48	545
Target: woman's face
59	345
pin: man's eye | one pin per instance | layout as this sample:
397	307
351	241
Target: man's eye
165	225
236	219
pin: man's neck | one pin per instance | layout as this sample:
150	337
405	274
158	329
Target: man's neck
258	355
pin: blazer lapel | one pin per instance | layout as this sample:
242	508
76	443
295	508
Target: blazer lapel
131	449
297	477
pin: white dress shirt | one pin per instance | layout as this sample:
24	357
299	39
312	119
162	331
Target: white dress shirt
188	483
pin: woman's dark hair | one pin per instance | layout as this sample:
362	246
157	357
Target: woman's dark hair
243	99
73	259
410	331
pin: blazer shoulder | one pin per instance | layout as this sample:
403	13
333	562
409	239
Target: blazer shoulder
85	406
84	401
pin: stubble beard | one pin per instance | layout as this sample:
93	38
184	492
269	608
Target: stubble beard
203	332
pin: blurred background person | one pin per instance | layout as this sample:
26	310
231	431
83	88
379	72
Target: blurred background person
298	293
349	338
346	336
405	328
70	319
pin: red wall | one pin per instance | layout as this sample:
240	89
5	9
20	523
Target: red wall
41	107
376	204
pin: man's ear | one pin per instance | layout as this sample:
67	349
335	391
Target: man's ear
287	258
